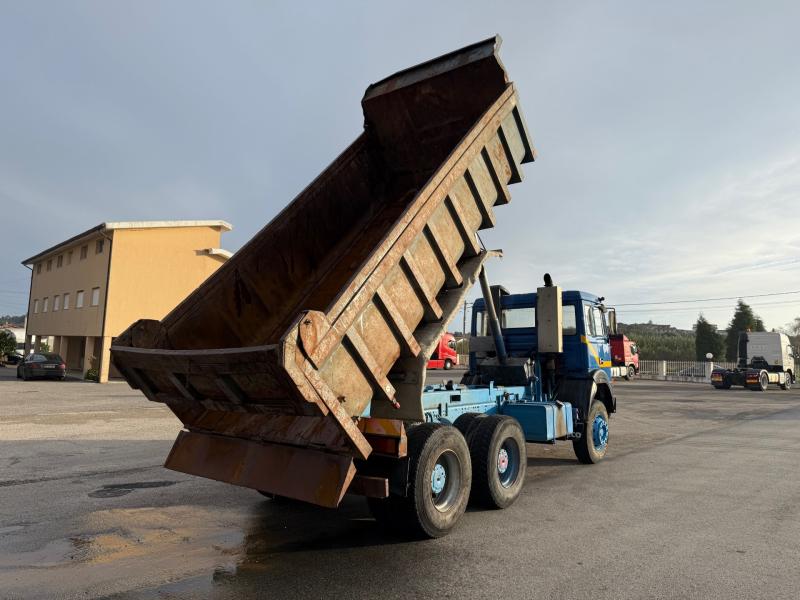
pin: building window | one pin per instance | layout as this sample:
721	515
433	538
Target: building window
45	303
84	251
98	248
66	301
35	306
56	302
39	269
95	296
79	299
69	257
60	261
50	265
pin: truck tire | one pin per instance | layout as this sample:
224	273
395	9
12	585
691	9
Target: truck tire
466	423
499	461
448	364
439	480
763	381
591	447
787	381
631	373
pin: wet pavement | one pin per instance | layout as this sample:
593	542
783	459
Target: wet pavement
699	497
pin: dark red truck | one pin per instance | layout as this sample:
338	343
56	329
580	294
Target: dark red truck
624	356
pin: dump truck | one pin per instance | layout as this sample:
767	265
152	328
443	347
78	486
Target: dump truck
764	358
298	368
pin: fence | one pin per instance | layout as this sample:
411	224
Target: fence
684	370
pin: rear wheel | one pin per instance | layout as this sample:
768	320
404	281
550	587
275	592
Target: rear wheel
763	381
466	423
439	478
787	381
591	447
499	462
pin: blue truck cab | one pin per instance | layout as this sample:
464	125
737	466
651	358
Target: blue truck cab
543	375
584	329
559	394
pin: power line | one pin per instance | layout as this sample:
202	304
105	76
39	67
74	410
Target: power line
708	299
702	308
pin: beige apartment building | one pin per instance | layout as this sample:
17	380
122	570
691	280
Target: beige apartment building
88	289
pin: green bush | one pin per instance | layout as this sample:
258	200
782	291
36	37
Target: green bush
93	374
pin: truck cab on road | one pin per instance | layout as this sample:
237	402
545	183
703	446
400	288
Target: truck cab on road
624	356
763	358
445	355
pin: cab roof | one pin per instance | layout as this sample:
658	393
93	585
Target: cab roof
567	297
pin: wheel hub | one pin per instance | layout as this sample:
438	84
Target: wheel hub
502	460
438	478
599	432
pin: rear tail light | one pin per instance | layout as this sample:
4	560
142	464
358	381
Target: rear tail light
34	366
63	366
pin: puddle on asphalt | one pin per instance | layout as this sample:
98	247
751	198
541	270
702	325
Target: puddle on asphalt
121	489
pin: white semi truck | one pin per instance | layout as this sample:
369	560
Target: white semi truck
764	358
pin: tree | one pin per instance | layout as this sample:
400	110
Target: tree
707	340
8	342
744	319
793	331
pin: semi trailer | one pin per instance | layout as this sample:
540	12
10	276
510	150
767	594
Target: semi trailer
764	358
298	368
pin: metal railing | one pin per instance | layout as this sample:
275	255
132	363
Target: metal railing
685	370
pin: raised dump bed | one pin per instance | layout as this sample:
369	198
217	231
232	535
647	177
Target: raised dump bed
333	309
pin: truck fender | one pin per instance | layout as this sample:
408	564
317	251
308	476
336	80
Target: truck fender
578	392
603	391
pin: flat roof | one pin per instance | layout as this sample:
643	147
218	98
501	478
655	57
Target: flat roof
112	225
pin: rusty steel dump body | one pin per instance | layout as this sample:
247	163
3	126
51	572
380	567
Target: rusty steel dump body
335	306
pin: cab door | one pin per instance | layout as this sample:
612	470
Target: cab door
596	338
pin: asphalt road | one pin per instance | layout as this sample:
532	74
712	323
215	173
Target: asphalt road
699	498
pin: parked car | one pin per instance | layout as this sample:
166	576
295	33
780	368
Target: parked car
46	365
695	371
13	359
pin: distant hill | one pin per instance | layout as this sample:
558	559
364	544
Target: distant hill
660	342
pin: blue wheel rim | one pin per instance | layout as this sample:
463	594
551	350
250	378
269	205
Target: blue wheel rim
599	433
445	481
438	478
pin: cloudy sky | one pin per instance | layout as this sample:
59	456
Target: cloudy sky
668	132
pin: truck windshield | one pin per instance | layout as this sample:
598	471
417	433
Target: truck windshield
599	321
588	320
